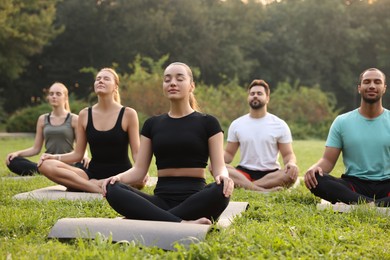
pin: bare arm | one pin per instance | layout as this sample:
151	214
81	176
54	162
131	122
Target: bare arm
217	161
324	165
289	160
133	131
38	143
75	120
230	151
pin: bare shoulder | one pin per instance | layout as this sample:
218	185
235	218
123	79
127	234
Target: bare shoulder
74	116
83	112
75	119
130	112
41	118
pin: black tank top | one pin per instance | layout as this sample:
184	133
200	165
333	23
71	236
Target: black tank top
109	149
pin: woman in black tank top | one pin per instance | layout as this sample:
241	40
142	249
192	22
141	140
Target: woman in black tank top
182	141
108	128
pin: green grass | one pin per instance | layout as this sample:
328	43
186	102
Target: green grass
282	225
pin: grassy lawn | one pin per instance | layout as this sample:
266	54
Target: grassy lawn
283	225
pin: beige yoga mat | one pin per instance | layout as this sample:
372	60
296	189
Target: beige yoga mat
342	207
18	178
149	233
59	192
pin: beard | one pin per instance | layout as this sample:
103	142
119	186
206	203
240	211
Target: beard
256	104
371	100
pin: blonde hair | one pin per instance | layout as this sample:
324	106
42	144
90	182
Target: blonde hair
193	102
117	97
65	92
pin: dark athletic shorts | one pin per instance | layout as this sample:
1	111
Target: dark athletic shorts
253	175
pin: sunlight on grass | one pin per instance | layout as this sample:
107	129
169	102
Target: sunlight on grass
280	225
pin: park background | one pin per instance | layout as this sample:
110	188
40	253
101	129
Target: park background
310	51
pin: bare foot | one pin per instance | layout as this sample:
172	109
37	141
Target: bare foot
264	190
96	181
99	184
204	221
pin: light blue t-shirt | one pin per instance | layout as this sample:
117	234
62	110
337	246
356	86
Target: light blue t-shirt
365	144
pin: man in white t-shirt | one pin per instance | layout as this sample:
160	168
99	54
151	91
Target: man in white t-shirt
261	136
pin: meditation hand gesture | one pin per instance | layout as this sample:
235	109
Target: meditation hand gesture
47	156
292	170
10	157
110	180
86	161
228	184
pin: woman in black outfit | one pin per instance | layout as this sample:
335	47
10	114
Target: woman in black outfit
182	140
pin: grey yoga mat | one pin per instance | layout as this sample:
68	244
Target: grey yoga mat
149	233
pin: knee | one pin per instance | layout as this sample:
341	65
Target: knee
13	164
47	167
112	189
288	181
43	167
216	189
321	183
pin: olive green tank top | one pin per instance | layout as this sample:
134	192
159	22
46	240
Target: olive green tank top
59	139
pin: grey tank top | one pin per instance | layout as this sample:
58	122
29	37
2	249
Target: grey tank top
59	139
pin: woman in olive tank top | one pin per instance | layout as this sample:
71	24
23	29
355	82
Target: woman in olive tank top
108	128
56	129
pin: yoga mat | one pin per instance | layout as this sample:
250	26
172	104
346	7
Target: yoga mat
149	233
59	192
342	207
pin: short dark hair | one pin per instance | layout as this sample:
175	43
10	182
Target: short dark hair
372	69
261	83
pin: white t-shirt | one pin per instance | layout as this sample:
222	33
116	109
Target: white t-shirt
259	138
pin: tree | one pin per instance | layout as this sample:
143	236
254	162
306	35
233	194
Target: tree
26	26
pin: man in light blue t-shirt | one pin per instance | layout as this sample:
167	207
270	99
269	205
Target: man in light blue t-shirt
363	137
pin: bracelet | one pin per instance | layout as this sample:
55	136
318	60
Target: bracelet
59	157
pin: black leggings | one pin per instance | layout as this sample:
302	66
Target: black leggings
175	199
352	190
24	167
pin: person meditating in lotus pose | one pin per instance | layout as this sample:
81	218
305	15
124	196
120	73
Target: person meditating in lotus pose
56	129
108	128
363	137
182	140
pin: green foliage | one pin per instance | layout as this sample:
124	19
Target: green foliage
25	120
316	42
26	27
308	110
3	115
142	89
226	102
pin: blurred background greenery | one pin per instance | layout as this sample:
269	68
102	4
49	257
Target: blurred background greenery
311	52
